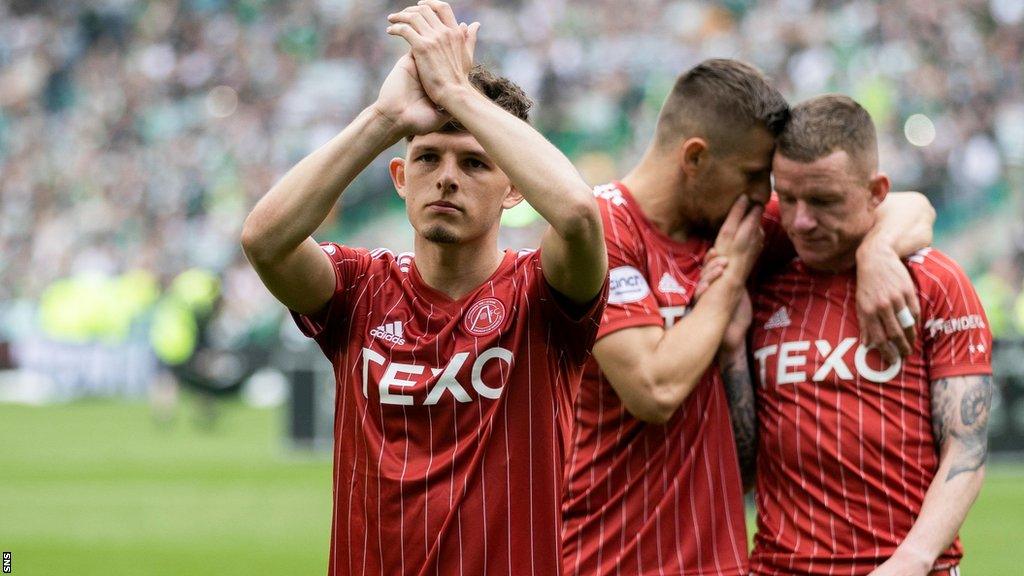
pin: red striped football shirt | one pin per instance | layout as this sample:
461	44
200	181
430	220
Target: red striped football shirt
643	498
846	451
452	417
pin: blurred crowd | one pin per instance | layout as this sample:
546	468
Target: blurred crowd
136	135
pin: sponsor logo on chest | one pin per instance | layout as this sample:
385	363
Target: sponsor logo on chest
792	365
407	384
672	314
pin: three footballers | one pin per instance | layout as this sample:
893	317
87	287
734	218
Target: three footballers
457	367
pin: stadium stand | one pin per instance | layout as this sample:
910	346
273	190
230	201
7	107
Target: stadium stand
135	136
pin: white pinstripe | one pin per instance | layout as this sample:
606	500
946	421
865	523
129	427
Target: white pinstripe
340	393
640	473
380	454
839	417
529	386
717	390
913	421
430	460
389	449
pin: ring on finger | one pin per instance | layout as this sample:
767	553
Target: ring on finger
905	318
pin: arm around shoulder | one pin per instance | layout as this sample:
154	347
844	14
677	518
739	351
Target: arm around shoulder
884	287
905	224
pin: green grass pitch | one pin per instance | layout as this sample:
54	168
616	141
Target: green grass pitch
98	488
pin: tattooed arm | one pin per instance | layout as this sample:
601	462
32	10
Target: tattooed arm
960	408
735	369
742	410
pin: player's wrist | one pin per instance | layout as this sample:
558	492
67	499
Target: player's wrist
455	97
738	272
915	558
874	246
734	280
385	123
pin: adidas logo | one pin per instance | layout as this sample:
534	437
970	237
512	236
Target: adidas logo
778	320
389	332
669	285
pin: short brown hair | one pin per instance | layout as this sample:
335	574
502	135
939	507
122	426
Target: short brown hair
825	124
498	89
720	99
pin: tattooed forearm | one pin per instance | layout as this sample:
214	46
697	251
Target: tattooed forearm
960	407
742	409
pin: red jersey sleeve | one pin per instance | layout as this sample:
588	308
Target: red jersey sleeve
956	338
630	301
350	264
575	326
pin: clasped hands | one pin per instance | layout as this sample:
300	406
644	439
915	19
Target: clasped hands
421	91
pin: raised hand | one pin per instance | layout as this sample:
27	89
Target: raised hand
441	47
403	102
740	239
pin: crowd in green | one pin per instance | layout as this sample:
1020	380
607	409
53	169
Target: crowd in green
135	136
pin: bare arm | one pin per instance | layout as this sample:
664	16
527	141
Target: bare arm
653	369
573	253
903	226
276	235
739	390
960	407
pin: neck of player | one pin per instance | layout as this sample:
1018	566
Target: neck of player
456	269
656	185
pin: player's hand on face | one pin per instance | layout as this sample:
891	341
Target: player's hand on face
403	102
441	47
741	238
884	289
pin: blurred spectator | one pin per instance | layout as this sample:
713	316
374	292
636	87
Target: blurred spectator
136	135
